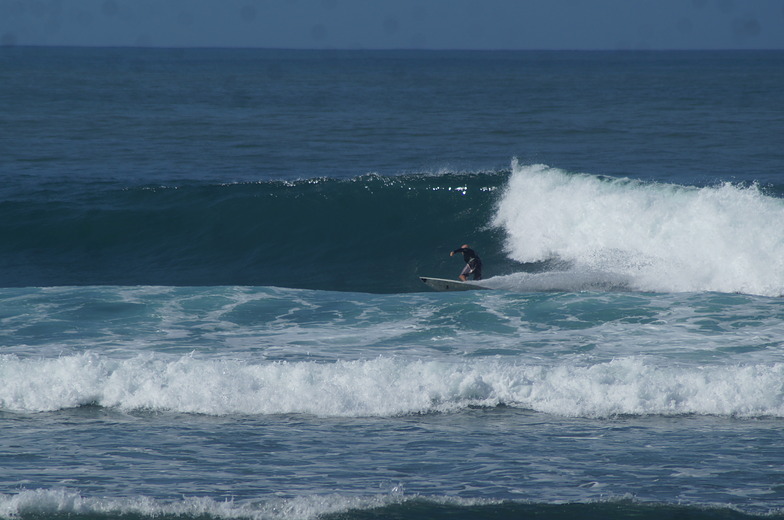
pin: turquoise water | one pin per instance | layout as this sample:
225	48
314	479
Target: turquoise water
210	305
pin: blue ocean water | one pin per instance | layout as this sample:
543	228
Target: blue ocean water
210	302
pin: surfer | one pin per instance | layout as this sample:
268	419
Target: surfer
472	260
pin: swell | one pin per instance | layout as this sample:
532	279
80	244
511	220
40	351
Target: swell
370	233
377	234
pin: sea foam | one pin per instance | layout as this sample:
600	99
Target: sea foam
60	501
388	386
64	502
651	236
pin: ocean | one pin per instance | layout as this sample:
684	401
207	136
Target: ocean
211	306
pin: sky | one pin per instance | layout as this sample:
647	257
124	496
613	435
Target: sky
397	24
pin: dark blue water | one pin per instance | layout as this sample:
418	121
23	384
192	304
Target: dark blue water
210	302
162	116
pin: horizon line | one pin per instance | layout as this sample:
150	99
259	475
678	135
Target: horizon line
382	49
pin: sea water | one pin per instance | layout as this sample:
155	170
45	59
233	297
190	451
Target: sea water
210	305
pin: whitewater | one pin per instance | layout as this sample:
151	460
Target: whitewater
642	235
390	387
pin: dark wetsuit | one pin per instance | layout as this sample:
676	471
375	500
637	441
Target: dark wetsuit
473	263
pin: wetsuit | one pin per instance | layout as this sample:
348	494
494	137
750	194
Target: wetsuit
473	263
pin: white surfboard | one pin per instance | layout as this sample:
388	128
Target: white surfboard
441	284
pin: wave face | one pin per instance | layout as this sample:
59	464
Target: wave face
642	235
537	228
369	233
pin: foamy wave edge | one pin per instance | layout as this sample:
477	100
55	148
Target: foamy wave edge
70	503
388	386
649	236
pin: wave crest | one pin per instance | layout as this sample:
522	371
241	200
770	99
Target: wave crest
659	237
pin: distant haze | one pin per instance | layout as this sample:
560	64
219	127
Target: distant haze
398	24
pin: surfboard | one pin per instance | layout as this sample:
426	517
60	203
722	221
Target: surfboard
441	284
